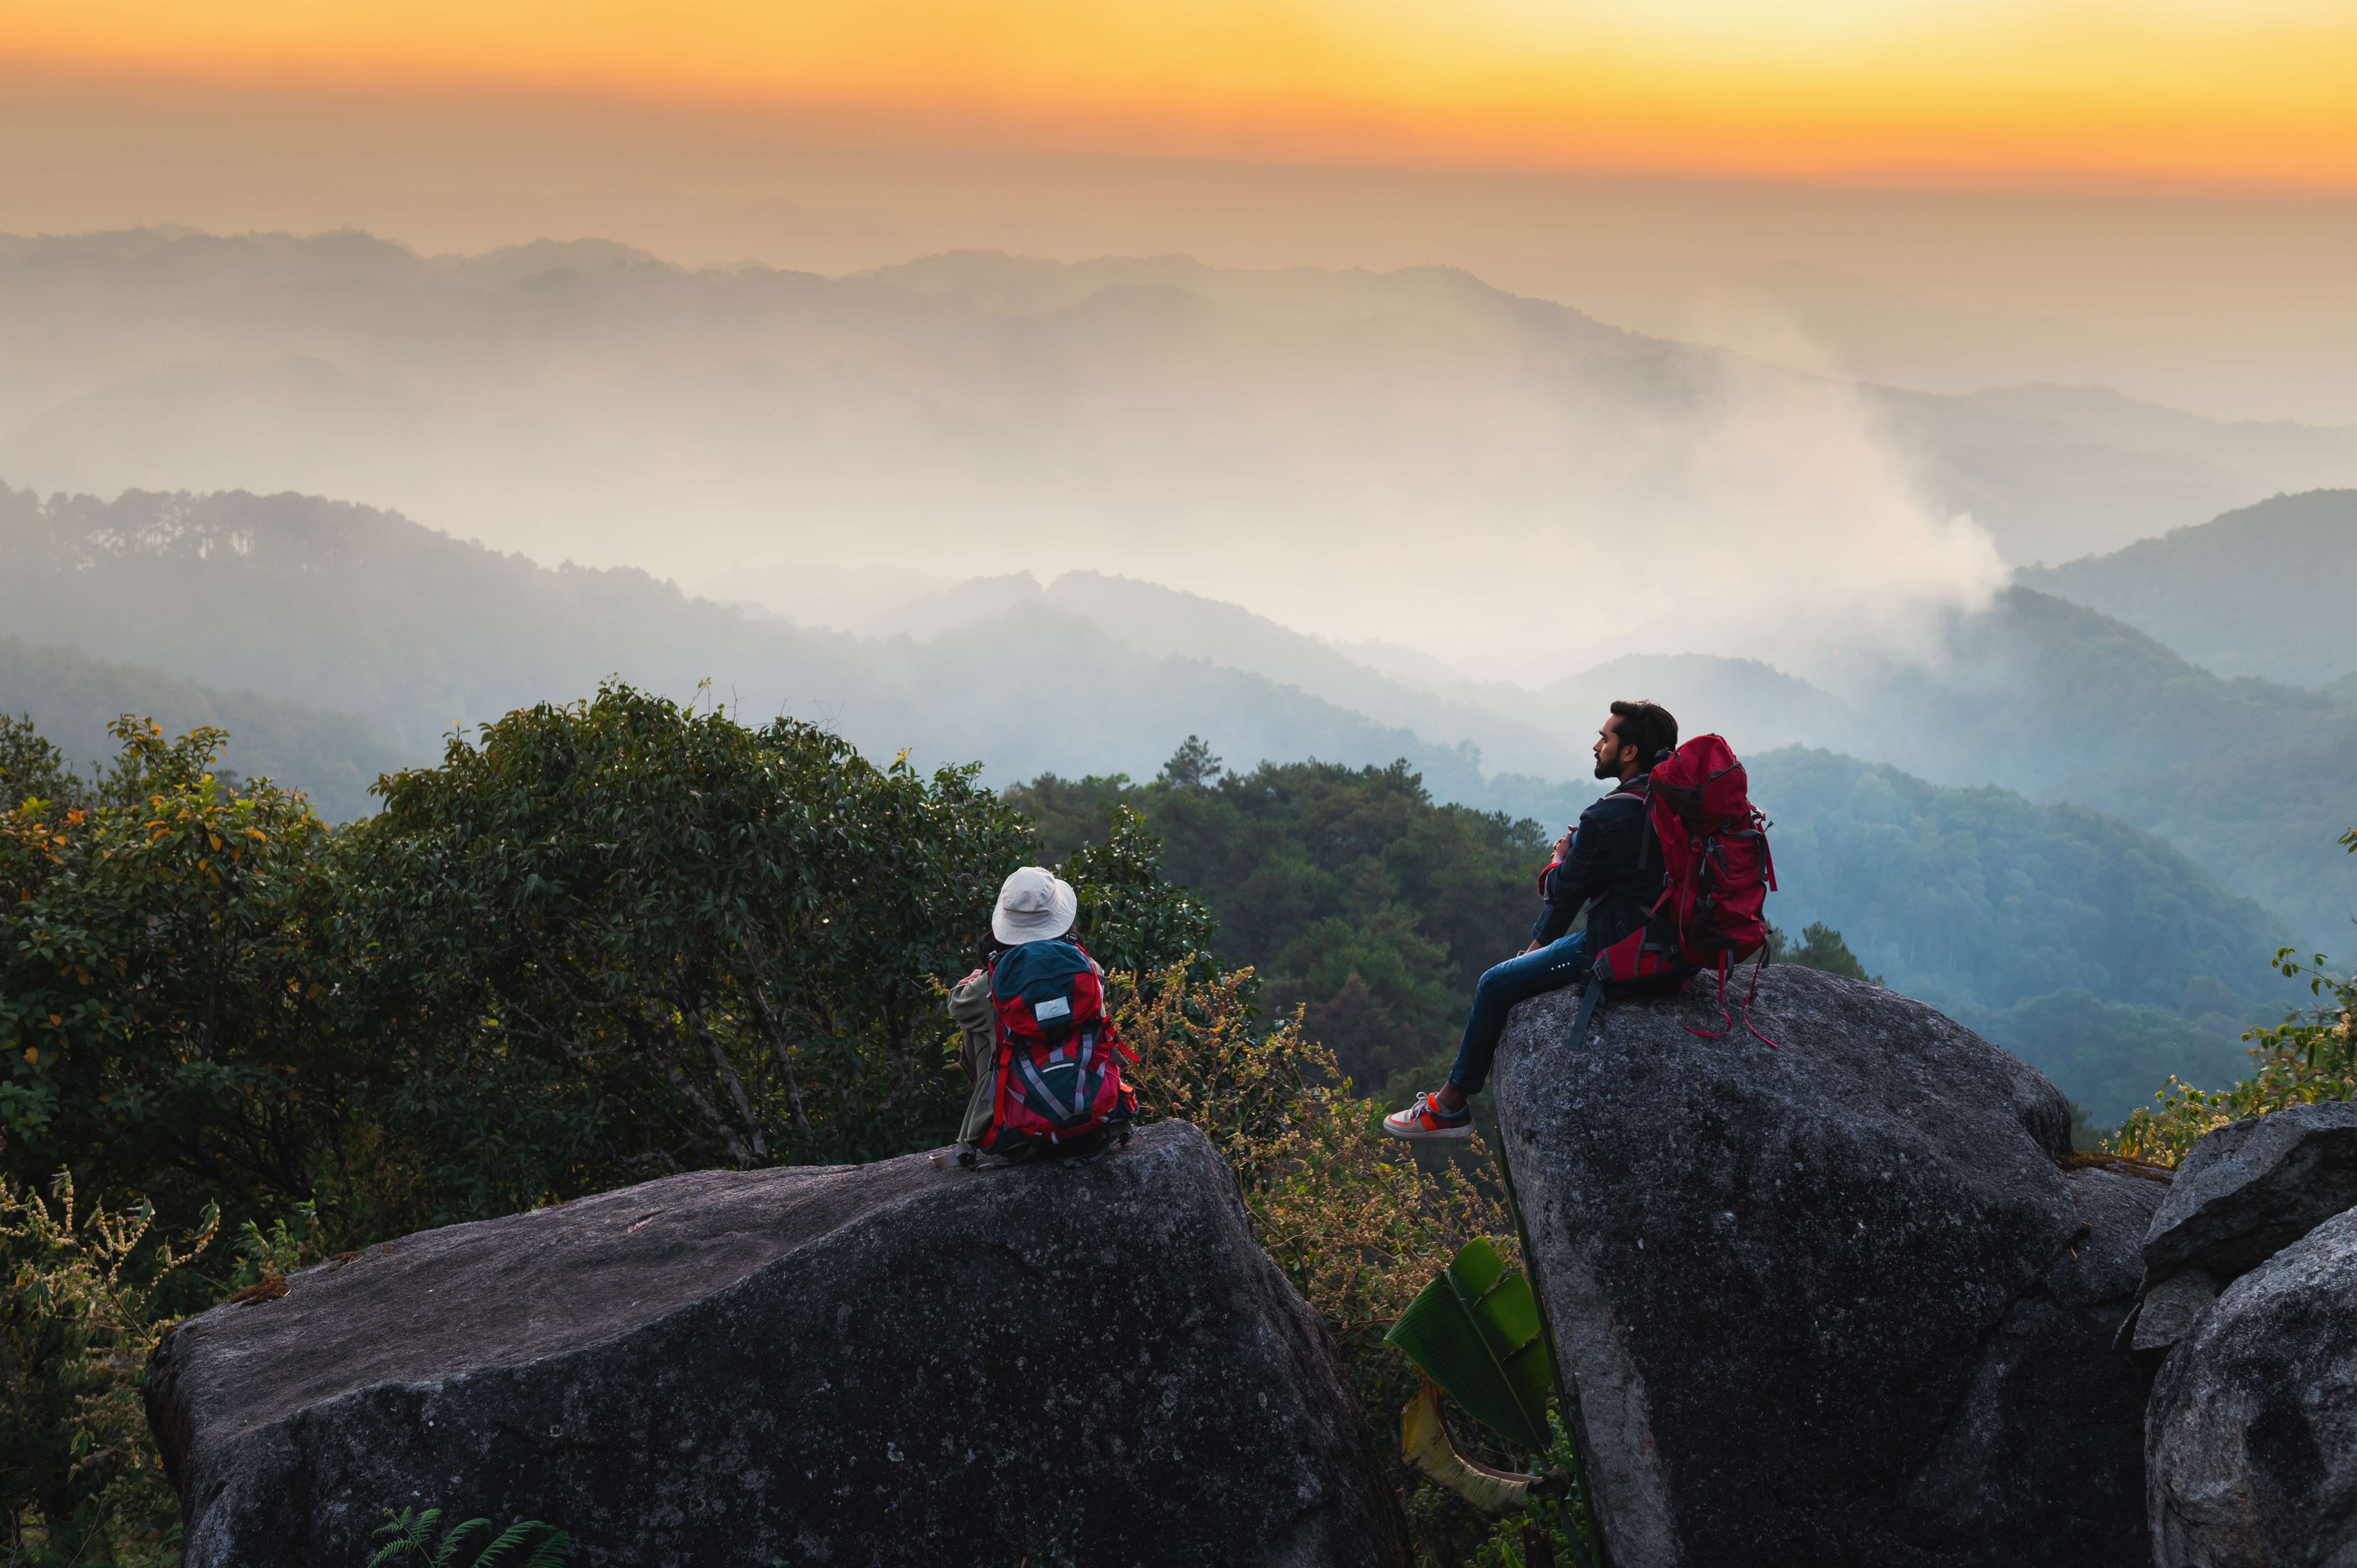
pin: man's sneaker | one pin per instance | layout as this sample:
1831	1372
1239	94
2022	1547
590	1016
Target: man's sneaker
1426	1119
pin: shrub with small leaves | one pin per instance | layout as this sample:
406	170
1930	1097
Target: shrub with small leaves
2309	1058
78	1324
1348	1215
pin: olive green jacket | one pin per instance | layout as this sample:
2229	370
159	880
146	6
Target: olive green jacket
977	1022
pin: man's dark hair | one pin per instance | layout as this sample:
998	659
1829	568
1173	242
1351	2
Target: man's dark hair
1648	727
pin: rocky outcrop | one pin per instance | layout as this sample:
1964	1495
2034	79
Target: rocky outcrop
2171	1310
2250	1452
2251	1188
1833	1303
891	1363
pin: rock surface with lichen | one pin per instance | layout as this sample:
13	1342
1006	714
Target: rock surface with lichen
2252	1446
1833	1302
891	1363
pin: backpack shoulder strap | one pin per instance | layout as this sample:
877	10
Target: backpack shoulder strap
1592	993
1644	794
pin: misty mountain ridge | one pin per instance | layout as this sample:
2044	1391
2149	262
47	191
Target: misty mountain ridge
342	606
345	607
333	756
1542	731
2264	590
305	598
2055	472
977	406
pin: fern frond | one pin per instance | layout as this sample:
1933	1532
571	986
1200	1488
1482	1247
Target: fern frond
459	1532
413	1531
516	1534
551	1553
409	1530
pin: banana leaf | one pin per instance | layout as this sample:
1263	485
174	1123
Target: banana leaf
1475	1331
1424	1442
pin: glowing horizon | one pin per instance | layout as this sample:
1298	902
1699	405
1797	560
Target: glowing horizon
1940	90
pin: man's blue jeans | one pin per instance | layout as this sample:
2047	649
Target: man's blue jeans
1562	962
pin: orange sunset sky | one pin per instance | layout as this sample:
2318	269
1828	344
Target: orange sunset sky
2198	92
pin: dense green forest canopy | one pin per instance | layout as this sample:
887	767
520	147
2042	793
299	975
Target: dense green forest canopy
600	941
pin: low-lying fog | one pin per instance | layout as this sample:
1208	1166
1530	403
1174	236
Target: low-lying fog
1411	457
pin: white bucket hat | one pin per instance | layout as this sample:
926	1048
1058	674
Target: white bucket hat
1033	904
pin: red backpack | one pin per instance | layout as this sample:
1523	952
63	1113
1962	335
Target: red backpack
1716	875
1058	1086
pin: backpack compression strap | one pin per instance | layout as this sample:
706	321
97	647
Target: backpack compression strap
1723	1015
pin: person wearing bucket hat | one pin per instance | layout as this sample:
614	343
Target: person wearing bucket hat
1035	905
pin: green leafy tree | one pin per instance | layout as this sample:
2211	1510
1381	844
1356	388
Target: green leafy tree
166	1003
33	770
1373	990
620	938
1821	947
1130	919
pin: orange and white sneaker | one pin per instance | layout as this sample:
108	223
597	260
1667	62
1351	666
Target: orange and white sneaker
1426	1119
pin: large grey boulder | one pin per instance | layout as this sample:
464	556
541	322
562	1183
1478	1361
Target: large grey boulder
879	1364
1835	1303
2249	1189
2251	1451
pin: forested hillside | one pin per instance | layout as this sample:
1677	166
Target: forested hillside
2245	776
2262	591
2094	951
71	698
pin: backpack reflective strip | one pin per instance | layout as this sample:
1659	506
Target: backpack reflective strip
1055	1104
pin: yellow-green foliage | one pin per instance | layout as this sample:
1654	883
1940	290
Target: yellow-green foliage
1348	1215
2296	1063
80	1326
2307	1058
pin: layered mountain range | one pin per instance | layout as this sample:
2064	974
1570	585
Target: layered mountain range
2113	784
1949	814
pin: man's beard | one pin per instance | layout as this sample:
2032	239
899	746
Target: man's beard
1607	770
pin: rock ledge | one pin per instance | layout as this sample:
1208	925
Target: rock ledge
880	1364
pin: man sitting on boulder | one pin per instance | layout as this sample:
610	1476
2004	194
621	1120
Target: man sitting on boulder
1597	865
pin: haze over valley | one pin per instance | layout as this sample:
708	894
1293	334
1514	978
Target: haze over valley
1382	447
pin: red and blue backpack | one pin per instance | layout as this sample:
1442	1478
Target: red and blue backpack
1058	1088
1716	875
